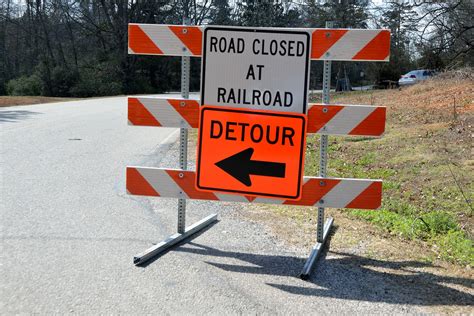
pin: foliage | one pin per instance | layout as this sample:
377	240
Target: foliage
455	246
221	13
448	33
437	228
268	14
57	81
24	85
59	41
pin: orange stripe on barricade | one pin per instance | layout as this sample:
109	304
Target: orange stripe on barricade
374	124
319	115
140	43
190	36
377	49
187	182
188	109
370	198
313	191
323	39
137	185
139	115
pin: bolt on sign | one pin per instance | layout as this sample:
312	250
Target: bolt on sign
259	69
251	152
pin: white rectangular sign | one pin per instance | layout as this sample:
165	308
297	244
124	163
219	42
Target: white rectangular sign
257	68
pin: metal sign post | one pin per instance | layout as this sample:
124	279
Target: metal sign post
183	135
183	232
322	232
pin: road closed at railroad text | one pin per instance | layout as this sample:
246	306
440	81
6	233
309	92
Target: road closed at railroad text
257	69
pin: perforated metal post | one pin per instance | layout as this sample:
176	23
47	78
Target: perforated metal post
183	134
323	153
322	228
183	232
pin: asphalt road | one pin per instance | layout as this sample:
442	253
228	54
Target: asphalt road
69	231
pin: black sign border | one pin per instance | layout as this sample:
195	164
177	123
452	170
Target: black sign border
298	195
256	30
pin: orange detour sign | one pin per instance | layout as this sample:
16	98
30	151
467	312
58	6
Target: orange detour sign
259	153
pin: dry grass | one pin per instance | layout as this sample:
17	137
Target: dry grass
29	100
428	144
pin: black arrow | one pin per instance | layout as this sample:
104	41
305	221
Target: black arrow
240	166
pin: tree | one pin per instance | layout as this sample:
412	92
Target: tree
448	31
401	19
220	13
79	47
267	14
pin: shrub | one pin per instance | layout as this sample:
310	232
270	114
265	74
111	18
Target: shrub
62	80
92	83
440	222
99	80
25	85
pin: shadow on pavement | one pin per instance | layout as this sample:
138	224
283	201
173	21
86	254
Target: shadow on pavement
15	116
351	277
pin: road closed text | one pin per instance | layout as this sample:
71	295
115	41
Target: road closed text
256	69
237	45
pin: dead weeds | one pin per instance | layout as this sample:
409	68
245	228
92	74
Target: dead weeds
29	100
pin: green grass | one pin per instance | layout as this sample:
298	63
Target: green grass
456	247
438	228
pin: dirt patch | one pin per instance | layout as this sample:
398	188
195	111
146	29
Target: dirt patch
29	100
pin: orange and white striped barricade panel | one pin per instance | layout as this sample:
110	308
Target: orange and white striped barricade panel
327	44
166	40
357	120
350	44
147	111
322	192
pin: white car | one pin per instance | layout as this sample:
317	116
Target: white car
415	76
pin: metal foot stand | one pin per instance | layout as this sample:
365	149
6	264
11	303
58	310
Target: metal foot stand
173	240
322	233
313	256
183	232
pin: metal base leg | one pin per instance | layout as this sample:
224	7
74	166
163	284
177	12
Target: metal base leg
313	256
173	240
